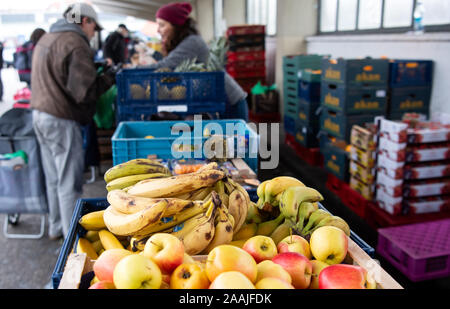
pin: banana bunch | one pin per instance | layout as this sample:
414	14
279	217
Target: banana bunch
127	174
319	218
269	192
93	243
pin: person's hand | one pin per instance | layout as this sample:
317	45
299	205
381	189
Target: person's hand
109	62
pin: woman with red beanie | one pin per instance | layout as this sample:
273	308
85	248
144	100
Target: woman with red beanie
181	41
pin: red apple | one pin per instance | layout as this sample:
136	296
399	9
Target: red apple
189	276
344	276
231	280
271	283
261	248
268	269
225	258
166	250
102	285
107	261
298	266
295	243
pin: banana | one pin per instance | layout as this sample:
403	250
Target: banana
201	236
293	197
175	185
277	185
93	221
128	181
97	245
85	246
168	222
137	243
109	241
219	187
92	236
238	243
238	208
253	214
223	230
281	232
304	212
135	167
314	219
268	227
332	221
247	231
129	224
260	191
128	204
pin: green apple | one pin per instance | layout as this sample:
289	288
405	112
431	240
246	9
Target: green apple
137	272
329	244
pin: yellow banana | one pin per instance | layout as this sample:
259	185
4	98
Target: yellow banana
128	181
260	191
91	236
247	231
238	243
238	208
253	214
175	185
93	221
281	232
293	197
277	185
223	230
129	224
314	219
134	167
85	246
168	222
97	245
137	243
304	212
333	221
109	241
267	228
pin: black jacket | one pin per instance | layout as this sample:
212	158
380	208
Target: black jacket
115	48
1	55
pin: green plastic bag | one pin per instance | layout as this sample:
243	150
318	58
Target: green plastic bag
104	116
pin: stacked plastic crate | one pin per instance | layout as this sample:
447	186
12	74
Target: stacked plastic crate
353	92
410	87
413	167
246	58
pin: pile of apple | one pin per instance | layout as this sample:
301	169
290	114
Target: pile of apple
294	263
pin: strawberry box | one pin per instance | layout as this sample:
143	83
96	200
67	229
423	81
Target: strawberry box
440	186
429	132
393	187
393	169
394	131
392	205
427	204
425	170
428	152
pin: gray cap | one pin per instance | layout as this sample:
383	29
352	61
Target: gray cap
75	11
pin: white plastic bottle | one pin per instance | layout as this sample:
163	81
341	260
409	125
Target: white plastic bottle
418	18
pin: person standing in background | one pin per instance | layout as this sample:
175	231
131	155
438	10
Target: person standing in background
1	67
115	50
66	88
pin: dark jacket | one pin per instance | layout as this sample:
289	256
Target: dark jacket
64	77
115	48
1	55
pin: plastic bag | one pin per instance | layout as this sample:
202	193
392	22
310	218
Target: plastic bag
104	116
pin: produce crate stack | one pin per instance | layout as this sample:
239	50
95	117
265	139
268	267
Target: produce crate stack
413	167
246	58
353	92
410	87
294	68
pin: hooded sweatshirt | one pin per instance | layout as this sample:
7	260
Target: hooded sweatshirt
64	77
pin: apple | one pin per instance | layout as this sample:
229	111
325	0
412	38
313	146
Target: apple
226	258
189	276
261	248
295	243
137	272
269	269
317	267
107	261
102	285
329	244
232	280
298	266
166	250
271	283
344	276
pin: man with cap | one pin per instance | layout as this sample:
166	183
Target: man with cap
115	49
66	87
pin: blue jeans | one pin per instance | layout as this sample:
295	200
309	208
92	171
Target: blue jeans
237	111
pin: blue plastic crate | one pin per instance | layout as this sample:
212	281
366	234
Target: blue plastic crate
410	73
85	206
129	141
186	93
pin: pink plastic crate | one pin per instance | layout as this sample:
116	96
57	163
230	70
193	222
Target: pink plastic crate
420	251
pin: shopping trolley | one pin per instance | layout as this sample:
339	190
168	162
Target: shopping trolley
22	188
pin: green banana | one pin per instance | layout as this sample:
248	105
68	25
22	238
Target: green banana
332	221
253	215
277	185
293	197
281	232
267	228
127	181
304	211
260	192
134	167
314	219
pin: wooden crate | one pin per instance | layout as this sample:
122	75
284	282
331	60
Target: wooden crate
78	265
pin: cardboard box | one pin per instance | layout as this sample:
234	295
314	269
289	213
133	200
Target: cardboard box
392	205
392	186
428	152
427	188
365	158
429	132
427	170
394	131
367	175
366	190
364	138
427	205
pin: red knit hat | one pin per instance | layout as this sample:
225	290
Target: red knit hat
175	13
